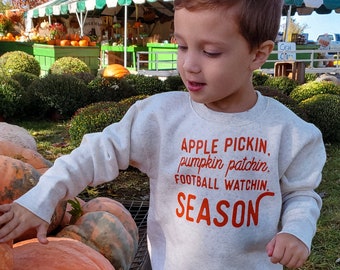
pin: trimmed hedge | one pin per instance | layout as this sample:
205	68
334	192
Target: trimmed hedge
62	94
310	89
18	61
95	117
324	112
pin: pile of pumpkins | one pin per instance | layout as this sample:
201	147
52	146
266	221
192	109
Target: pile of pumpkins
96	234
72	40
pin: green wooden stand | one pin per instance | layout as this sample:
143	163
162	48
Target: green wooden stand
9	46
162	56
48	54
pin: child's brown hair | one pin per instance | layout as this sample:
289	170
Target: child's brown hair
258	20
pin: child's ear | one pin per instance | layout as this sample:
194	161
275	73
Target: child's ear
261	54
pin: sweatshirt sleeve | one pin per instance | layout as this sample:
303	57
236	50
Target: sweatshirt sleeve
301	204
98	159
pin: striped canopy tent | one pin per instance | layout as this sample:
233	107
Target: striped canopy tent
81	9
307	7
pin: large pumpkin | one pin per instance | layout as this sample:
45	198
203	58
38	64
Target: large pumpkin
58	254
18	177
6	256
116	237
104	232
115	71
32	157
115	208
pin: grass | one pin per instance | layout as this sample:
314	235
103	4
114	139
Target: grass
53	140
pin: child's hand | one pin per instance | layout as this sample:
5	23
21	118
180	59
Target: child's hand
15	220
287	250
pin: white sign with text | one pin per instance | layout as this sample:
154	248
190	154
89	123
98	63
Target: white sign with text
286	51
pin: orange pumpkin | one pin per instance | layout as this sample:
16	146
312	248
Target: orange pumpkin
57	42
92	43
86	38
105	233
83	42
116	71
26	155
74	37
6	256
74	43
17	177
58	254
115	208
65	42
51	42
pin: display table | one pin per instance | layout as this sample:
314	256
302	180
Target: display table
48	54
162	56
113	54
9	46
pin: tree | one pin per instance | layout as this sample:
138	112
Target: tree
4	5
294	28
27	4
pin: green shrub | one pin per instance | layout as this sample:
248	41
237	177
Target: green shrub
11	97
173	83
310	89
284	84
145	85
57	93
324	111
310	77
68	65
95	117
18	61
86	77
284	99
259	78
24	78
110	89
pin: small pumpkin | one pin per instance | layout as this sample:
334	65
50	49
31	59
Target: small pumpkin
65	42
51	42
83	43
116	71
58	254
86	38
105	233
74	43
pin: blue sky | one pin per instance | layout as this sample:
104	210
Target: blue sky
318	24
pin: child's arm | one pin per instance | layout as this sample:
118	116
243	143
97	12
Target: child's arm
287	250
16	219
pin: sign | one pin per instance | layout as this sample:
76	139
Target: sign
286	51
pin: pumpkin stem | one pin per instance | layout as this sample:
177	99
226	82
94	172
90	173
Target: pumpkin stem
76	211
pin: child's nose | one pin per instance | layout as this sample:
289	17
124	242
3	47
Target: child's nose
191	63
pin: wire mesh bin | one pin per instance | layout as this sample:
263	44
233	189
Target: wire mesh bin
139	212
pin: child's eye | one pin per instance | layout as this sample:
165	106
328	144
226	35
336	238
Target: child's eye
181	47
212	54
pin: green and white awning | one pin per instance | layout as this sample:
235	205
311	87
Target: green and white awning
63	7
306	7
